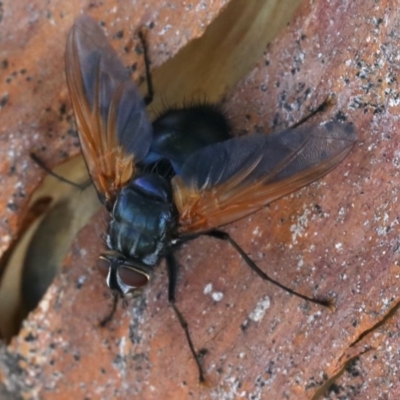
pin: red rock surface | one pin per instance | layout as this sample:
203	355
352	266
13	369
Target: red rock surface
337	237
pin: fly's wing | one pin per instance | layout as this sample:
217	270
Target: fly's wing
114	130
229	180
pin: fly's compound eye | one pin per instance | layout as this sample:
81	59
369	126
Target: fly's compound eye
132	278
122	275
103	266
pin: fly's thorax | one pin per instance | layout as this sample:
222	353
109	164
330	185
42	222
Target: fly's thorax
142	219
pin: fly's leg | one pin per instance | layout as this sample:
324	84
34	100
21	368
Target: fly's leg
172	275
226	237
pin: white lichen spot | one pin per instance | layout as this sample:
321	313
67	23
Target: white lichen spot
231	389
217	296
82	280
208	288
312	317
394	102
338	246
385	218
262	306
299	228
165	29
203	6
122	346
381	231
386	302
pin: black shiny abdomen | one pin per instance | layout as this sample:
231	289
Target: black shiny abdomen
179	133
142	219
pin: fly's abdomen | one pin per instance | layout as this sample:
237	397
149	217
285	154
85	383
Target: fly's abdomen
142	217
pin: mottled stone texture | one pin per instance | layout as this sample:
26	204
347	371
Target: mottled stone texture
336	238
